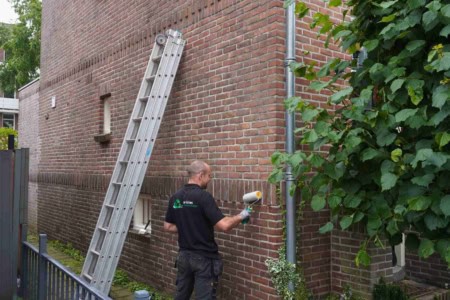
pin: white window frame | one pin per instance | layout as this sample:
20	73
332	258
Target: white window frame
143	214
400	252
13	120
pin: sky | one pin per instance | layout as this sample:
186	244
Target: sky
7	14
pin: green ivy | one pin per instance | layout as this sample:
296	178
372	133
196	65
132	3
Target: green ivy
282	273
381	157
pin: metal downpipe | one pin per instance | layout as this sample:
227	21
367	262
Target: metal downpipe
290	141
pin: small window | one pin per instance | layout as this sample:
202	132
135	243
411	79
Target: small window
143	215
8	120
106	116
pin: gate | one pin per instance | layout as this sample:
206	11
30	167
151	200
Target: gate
13	204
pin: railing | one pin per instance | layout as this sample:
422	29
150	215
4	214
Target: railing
44	278
9	104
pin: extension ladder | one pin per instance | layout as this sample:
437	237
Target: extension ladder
123	191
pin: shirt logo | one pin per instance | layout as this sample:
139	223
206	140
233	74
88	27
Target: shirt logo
177	204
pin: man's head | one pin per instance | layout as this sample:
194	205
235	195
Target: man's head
199	173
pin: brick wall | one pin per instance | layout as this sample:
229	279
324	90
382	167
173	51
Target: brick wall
344	272
226	108
29	138
432	270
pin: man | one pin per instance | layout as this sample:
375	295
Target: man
193	214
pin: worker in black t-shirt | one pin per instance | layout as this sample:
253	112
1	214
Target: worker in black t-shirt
193	214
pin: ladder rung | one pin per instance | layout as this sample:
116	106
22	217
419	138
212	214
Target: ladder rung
157	58
115	183
143	99
109	205
151	78
137	119
130	141
95	252
123	162
103	229
88	277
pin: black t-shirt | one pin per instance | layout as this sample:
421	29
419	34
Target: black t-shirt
195	213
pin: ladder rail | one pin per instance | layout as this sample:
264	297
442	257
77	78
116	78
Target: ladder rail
131	166
124	212
117	169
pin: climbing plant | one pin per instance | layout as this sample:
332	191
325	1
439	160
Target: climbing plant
380	157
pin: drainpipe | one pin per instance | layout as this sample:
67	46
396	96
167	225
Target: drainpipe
290	142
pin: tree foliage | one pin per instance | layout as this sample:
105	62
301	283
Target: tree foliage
23	46
382	157
5	132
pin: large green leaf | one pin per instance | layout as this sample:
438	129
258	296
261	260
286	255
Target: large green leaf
422	155
385	4
346	221
419	203
396	155
309	113
362	258
405	114
415	91
445	205
392	227
415	45
445	11
424	180
318	85
440	95
413	4
373	224
368	154
341	95
442	139
434	222
352	201
385	137
301	9
445	31
426	248
396	84
370	45
316	160
388	181
430	20
326	228
318	202
310	136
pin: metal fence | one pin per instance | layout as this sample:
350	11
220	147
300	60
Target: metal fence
44	278
13	199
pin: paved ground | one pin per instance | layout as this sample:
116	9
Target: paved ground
422	291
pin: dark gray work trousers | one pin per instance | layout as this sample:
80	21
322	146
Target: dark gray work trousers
199	273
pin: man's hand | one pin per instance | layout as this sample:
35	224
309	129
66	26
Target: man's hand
245	215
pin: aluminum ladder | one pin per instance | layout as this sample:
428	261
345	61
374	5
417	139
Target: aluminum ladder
123	191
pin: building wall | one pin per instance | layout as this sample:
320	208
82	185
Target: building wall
29	138
431	270
226	108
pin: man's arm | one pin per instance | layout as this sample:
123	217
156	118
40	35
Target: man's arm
228	223
170	227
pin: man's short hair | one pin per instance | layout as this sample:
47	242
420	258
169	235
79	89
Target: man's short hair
196	167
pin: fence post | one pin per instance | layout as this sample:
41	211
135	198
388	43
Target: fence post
42	269
24	265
